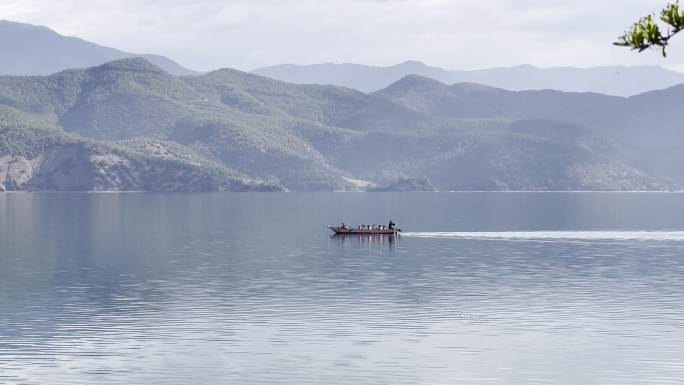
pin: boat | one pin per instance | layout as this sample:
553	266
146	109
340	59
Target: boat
344	230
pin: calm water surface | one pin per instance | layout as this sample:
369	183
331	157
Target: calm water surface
484	288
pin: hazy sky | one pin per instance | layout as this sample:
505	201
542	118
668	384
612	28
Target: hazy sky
245	34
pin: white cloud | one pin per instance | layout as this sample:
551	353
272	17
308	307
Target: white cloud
206	34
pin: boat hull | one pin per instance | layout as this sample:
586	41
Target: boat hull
345	231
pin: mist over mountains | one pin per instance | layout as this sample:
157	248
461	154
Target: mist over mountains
37	50
610	80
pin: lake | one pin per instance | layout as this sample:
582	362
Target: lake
482	288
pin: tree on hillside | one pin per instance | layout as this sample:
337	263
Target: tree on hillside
647	33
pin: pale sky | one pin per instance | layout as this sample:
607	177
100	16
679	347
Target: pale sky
456	34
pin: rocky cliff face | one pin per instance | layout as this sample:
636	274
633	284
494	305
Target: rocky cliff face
16	172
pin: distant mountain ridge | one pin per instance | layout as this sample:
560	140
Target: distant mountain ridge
609	80
37	50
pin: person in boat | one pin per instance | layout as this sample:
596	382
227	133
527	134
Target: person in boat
391	225
343	225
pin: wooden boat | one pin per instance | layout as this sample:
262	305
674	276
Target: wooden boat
347	230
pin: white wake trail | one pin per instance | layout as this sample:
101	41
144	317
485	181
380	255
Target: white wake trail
555	235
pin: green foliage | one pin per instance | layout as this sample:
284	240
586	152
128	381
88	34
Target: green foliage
24	135
673	15
646	33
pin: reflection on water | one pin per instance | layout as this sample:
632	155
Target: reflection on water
251	288
359	241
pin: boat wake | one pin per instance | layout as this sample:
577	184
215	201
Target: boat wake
555	235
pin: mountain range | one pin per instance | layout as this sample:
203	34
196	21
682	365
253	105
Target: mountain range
130	125
610	80
37	50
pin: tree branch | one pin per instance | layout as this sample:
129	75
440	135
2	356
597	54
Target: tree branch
646	33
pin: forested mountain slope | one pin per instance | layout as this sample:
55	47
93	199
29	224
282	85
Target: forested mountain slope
270	133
